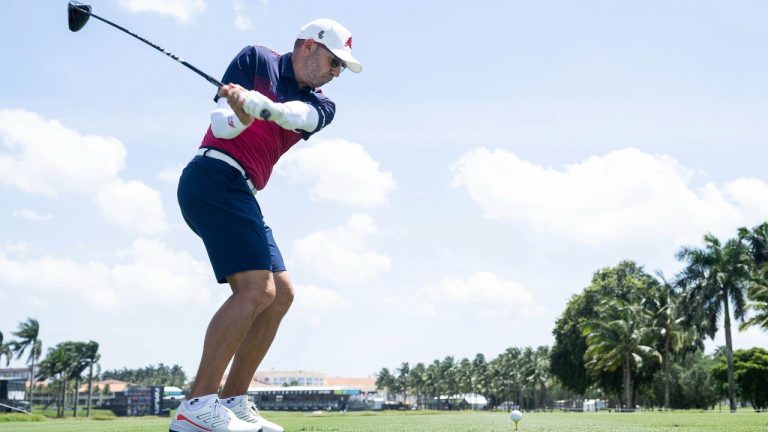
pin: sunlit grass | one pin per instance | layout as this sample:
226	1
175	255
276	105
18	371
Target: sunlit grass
432	421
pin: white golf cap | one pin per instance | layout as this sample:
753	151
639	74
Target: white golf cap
335	37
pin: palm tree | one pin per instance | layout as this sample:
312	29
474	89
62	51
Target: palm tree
481	377
5	350
91	356
433	383
757	241
758	294
83	355
716	277
403	379
464	376
619	338
537	374
669	318
57	363
506	375
386	381
27	333
417	382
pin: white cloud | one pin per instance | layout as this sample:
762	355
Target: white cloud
32	215
342	254
242	20
339	171
48	158
45	157
132	206
625	195
171	174
182	10
148	272
313	303
483	295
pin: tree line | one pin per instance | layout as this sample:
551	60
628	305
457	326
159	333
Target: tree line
517	374
631	336
68	363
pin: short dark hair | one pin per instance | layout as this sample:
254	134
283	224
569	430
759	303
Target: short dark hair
298	44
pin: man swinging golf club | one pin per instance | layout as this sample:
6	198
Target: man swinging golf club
268	103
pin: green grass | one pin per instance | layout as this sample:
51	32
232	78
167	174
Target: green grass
431	421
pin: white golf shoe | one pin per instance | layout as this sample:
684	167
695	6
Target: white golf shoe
209	415
246	410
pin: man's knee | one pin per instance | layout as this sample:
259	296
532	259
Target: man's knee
284	292
256	287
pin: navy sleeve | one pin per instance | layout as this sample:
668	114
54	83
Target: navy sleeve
242	70
326	109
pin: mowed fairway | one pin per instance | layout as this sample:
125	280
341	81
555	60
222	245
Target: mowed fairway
445	422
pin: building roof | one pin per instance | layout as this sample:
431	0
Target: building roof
296	373
364	384
114	385
306	390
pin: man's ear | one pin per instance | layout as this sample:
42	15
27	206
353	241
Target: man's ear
308	44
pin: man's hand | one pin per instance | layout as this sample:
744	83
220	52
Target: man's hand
236	96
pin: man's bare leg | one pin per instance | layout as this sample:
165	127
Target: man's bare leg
252	292
258	339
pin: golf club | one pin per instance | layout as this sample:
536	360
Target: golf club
78	14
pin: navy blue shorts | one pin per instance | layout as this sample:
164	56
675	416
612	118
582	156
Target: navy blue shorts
220	208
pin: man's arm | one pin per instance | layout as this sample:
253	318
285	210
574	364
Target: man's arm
225	122
293	115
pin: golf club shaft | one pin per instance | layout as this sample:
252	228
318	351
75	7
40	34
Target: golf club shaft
210	79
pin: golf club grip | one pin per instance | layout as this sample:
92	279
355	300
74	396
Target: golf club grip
264	113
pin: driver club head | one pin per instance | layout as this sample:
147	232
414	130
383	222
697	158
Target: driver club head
78	14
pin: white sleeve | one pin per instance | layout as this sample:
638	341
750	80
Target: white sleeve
224	121
297	115
293	115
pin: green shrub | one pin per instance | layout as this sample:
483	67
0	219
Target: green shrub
19	417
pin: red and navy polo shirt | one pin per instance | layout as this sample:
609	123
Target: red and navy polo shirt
261	144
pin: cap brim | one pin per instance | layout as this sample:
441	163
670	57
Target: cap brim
351	62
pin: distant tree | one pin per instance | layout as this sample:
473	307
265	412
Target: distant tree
447	376
669	319
620	339
757	242
750	374
715	277
695	387
507	376
58	364
386	381
432	382
481	379
464	376
628	282
536	373
28	341
403	379
417	382
5	350
160	375
758	296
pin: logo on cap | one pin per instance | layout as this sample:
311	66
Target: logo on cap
348	42
320	35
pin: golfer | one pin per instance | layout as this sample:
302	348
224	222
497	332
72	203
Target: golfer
269	102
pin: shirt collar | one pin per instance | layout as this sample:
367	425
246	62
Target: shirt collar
286	66
286	71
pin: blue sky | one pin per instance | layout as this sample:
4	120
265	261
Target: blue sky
489	158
